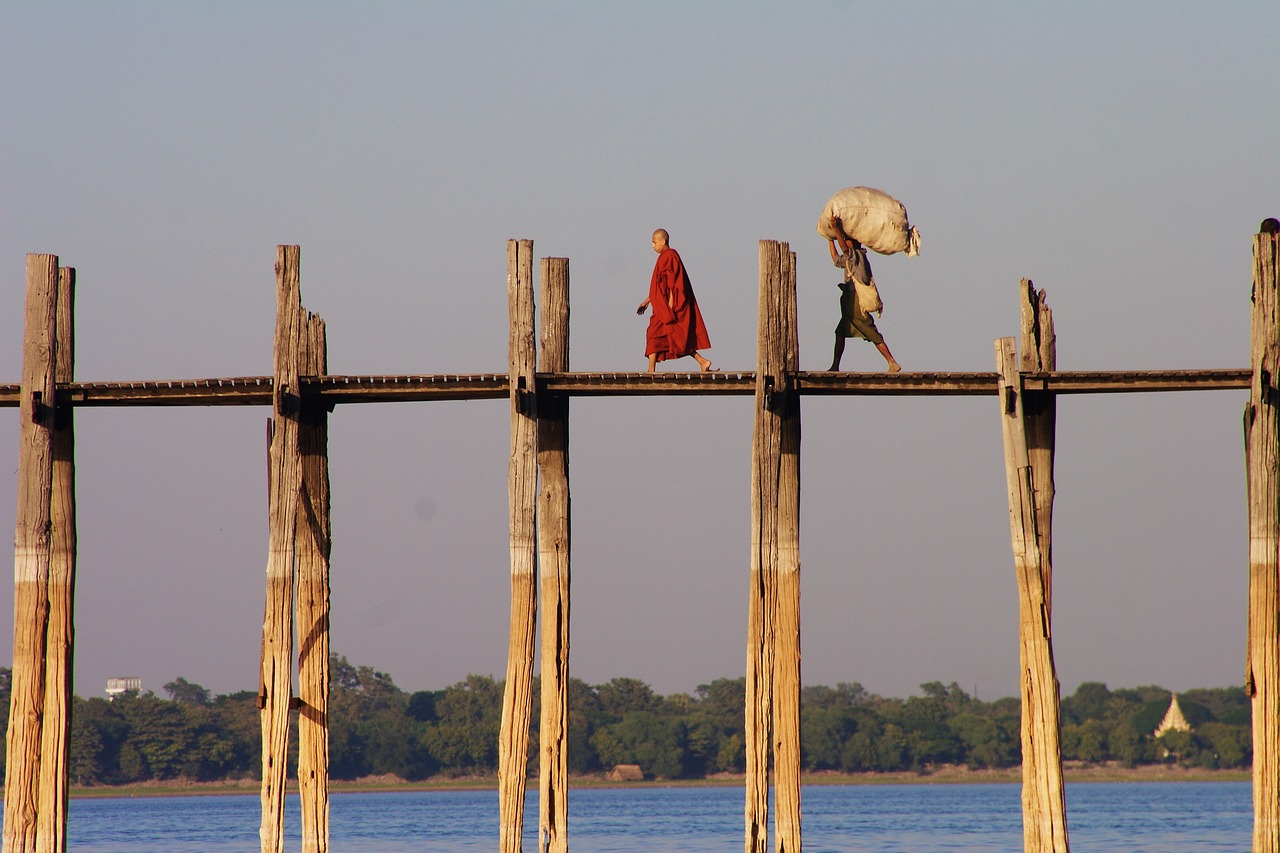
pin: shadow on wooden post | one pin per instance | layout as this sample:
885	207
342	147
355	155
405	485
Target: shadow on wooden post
314	543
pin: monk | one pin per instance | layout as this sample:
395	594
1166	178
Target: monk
675	328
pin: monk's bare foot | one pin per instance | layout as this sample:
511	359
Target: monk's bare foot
833	369
894	367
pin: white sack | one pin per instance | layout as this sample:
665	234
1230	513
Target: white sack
874	218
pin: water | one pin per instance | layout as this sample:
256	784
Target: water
1170	817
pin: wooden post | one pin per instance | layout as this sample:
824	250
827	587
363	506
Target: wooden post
1262	456
786	682
284	484
31	556
1039	353
51	833
313	538
553	518
773	627
1043	802
522	489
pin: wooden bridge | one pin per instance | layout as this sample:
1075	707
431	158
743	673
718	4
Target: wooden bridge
332	390
539	385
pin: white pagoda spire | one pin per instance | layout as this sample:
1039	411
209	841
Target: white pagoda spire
1173	720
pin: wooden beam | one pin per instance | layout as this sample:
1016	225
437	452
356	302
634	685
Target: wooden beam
1262	457
553	518
284	485
256	390
51	833
31	556
314	544
522	489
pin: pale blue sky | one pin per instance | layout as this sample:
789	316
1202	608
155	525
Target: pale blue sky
1120	155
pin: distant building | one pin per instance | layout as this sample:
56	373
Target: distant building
125	684
626	773
1173	720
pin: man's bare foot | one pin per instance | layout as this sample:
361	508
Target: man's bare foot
894	367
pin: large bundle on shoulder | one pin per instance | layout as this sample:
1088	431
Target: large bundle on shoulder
874	218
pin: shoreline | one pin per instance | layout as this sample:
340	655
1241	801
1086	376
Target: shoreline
944	775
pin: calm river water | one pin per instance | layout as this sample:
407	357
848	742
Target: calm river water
1169	817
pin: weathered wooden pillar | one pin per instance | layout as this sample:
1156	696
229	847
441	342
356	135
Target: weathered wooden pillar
51	833
1262	457
773	620
1039	353
786	682
522	489
1027	429
284	484
31	556
553	518
313	538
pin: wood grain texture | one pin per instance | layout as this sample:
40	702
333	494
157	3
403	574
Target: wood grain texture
284	484
32	545
1262	456
313	537
51	833
1043	802
553	519
522	491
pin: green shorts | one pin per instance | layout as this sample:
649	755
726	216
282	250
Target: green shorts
854	322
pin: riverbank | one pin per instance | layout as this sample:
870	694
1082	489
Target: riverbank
942	775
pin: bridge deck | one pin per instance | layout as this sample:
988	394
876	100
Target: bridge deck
256	390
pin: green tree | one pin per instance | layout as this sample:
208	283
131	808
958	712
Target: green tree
725	701
465	737
654	742
160	734
824	729
986	743
1225	745
1175	744
181	690
85	752
1086	741
1127	745
585	714
368	725
621	696
1091	701
422	706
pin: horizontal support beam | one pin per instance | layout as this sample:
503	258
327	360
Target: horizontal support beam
332	390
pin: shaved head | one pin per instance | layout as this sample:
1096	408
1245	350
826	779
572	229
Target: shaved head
660	239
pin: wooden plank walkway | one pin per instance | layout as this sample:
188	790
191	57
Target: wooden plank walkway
256	390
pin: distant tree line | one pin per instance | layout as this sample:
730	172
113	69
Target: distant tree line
375	728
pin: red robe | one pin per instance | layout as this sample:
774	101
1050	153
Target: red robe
675	330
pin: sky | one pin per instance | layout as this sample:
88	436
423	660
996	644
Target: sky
1120	155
